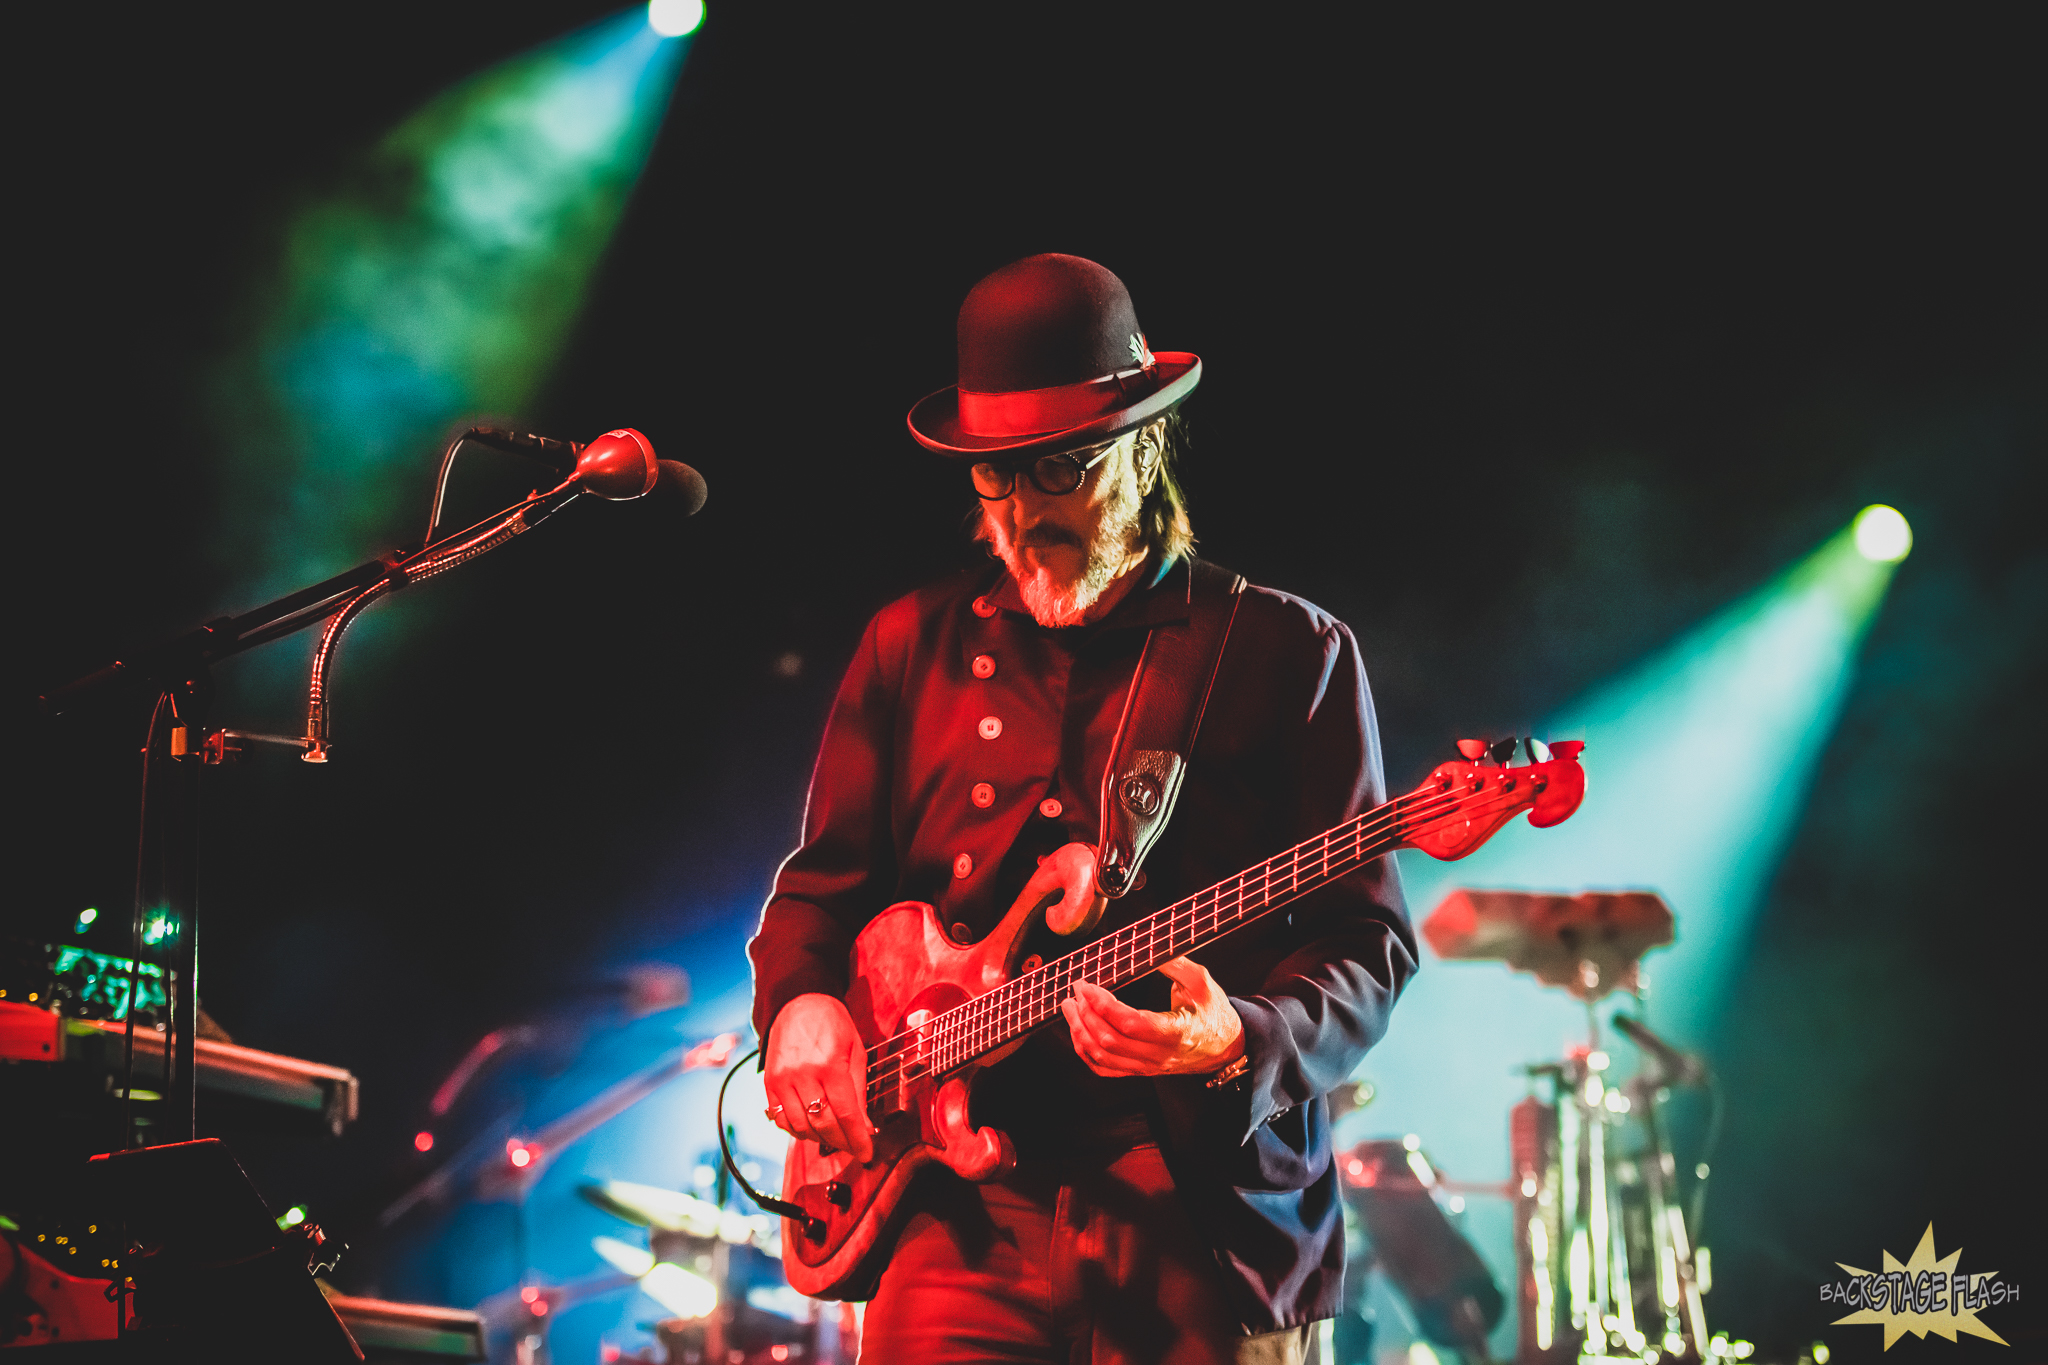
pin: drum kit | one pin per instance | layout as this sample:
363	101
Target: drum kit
1606	1265
718	1272
714	1270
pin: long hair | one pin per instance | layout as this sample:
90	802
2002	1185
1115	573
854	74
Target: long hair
1164	517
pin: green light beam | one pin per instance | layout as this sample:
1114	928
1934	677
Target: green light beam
1698	764
441	283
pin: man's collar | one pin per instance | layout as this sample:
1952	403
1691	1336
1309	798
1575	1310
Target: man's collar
1160	597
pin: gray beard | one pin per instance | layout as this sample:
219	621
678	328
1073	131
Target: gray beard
1053	604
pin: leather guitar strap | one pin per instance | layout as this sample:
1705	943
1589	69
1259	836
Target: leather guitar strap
1162	716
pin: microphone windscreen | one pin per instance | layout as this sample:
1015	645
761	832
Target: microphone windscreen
681	487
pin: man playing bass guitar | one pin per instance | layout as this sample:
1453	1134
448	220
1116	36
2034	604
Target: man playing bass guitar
1167	1192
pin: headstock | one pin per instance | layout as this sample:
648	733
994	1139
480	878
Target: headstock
1464	802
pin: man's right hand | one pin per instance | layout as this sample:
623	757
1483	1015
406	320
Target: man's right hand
817	1075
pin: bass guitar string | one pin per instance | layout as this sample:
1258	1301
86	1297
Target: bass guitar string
988	1021
942	1036
982	1024
977	1026
1133	950
1140	947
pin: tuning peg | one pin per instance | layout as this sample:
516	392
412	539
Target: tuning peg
1474	749
1503	750
1539	752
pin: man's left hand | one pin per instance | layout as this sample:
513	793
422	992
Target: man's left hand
1200	1034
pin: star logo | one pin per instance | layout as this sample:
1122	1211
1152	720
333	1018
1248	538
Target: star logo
1921	1296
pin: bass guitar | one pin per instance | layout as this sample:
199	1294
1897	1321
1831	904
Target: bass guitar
934	1012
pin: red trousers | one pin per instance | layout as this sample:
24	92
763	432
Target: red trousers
1061	1263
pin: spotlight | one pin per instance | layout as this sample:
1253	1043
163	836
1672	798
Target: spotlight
674	18
1882	534
423	1141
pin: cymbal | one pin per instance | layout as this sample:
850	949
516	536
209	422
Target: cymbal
650	1206
1590	944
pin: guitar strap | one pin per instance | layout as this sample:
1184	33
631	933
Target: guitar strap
1162	716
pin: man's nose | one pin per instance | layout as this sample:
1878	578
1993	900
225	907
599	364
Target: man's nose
1026	499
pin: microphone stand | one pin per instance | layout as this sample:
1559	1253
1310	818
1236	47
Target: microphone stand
180	670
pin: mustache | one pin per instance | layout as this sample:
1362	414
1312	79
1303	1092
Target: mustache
1045	537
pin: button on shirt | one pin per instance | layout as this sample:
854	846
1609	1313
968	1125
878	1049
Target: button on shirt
1288	748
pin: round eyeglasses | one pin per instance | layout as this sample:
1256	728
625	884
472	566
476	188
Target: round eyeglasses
1053	475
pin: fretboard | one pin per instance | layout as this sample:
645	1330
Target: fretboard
987	1022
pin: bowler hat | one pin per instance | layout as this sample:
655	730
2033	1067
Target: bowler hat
1051	359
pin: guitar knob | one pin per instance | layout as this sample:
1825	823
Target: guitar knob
1474	749
1539	752
839	1193
1503	750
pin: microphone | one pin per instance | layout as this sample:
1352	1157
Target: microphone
680	487
618	466
1680	1068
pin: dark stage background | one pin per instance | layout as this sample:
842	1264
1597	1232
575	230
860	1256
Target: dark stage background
1528	347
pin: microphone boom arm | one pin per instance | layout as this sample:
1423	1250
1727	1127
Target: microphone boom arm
559	456
422	564
618	466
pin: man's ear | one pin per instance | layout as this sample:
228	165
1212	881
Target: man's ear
1149	455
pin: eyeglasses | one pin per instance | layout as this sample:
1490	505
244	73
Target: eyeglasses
1053	475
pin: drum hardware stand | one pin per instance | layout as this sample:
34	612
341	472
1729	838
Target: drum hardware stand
1580	1301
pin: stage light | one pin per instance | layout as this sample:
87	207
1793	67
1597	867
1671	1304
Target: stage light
1882	534
521	1154
88	915
293	1216
423	1141
674	18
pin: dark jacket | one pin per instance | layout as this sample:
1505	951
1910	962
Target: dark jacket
1288	748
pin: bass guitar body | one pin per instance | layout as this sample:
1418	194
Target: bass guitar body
906	972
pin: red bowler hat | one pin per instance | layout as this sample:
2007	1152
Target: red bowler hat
1051	359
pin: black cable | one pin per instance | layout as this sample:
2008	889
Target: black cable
812	1225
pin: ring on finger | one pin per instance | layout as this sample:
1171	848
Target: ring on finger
815	1108
774	1112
